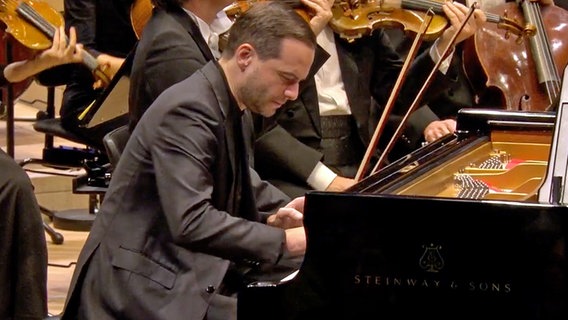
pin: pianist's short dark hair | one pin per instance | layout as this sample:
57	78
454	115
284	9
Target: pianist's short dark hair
264	26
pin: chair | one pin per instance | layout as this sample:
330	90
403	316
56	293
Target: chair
114	143
108	110
66	157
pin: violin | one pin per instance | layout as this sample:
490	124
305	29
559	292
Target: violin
33	24
353	19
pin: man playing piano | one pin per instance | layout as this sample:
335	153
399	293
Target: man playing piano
184	218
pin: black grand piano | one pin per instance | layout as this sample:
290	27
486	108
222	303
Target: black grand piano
473	226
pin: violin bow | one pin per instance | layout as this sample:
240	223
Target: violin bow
423	89
394	95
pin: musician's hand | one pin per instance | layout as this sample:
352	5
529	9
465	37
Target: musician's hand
289	216
297	203
110	64
340	184
547	2
321	11
296	241
438	129
61	52
456	14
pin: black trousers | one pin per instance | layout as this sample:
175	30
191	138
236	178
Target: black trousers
23	267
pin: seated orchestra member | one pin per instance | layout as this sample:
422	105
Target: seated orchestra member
438	118
104	28
435	119
23	270
180	38
173	46
184	217
318	141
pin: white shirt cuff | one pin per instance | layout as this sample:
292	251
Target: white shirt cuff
435	55
321	177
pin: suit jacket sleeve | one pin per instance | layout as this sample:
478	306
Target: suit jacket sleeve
413	133
278	150
170	59
268	197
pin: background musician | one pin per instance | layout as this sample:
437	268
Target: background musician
183	214
179	38
318	141
104	28
438	118
23	271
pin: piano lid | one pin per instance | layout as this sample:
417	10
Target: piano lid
554	189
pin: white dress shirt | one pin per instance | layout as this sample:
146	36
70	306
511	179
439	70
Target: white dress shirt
333	98
211	32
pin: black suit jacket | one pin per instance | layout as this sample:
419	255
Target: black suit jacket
172	219
23	270
171	49
444	105
288	145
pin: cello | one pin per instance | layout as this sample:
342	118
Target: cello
525	75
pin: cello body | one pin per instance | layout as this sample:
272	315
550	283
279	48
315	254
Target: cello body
502	71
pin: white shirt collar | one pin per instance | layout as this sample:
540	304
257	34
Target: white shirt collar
211	32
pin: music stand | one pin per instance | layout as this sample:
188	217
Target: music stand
110	105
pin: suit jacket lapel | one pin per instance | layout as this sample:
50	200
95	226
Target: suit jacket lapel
350	74
310	84
215	75
241	201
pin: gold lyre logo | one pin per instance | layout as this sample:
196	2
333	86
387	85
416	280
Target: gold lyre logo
431	259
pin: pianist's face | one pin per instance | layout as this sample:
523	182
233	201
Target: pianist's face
267	84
